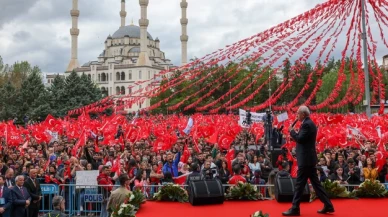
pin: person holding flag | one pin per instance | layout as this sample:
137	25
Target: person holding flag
172	164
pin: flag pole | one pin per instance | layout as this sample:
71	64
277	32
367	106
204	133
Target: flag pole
366	68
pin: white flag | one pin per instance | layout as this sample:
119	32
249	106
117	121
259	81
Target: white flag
190	124
282	117
378	128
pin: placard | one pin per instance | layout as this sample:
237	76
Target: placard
87	178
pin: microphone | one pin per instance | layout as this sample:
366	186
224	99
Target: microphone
293	124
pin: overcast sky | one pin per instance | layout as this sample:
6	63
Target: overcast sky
38	30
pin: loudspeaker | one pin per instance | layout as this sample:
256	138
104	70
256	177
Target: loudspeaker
206	192
284	189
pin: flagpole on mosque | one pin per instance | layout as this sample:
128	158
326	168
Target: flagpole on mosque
366	68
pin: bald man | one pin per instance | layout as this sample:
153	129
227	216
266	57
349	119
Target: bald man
306	156
33	187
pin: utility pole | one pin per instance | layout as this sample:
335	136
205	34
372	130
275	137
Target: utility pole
366	69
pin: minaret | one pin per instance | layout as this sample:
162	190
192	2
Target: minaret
144	59
184	37
123	13
74	32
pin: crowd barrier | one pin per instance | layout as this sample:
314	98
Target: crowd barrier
88	200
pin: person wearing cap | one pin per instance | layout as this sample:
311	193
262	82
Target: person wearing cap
58	203
353	173
119	195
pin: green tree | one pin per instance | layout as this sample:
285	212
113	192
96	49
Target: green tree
57	93
329	81
33	100
8	97
78	91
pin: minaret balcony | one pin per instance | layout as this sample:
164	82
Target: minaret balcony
143	22
184	38
143	2
74	13
74	31
184	4
123	13
184	21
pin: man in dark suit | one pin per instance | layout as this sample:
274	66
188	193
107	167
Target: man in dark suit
33	188
3	167
20	198
9	178
307	159
5	202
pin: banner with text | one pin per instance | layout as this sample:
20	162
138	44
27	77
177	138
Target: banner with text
255	117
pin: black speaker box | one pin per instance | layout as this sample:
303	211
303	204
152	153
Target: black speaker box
284	189
204	192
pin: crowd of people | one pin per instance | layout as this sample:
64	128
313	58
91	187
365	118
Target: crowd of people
248	160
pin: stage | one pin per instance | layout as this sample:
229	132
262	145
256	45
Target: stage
343	207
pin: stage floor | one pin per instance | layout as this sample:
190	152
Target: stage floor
343	207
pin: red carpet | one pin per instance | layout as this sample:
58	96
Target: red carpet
343	207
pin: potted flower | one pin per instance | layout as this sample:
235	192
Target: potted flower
171	192
124	210
136	198
371	188
130	205
259	214
244	191
335	190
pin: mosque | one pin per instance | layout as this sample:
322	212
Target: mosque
130	55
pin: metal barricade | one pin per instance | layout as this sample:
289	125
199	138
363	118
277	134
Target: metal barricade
85	199
48	192
89	199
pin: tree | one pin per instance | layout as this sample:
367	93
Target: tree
57	93
78	92
18	73
329	81
8	97
34	98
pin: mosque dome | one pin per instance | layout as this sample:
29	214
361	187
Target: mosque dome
131	30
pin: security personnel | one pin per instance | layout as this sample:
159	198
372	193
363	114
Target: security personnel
195	175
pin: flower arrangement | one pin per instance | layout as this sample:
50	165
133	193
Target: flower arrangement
335	190
124	210
136	198
130	205
259	214
371	188
171	192
244	191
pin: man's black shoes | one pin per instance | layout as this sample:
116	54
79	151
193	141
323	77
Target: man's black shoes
292	212
326	209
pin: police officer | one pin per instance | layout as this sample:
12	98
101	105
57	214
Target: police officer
59	207
195	175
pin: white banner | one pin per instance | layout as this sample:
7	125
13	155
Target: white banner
255	117
86	177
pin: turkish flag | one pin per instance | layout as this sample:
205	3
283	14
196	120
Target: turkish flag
185	155
51	121
213	139
180	180
225	141
229	157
